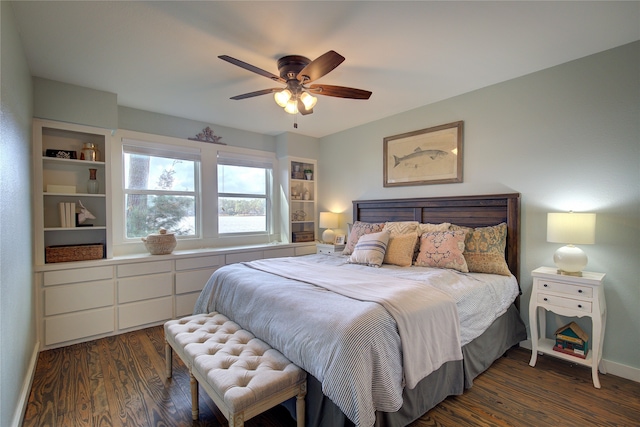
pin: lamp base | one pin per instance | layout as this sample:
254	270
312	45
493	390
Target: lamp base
328	236
570	260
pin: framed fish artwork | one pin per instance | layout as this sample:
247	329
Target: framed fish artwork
426	156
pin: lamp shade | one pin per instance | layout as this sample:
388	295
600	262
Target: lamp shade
328	220
571	227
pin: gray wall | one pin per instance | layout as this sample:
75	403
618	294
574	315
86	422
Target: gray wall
566	138
17	308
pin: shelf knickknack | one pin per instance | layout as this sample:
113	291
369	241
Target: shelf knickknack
207	135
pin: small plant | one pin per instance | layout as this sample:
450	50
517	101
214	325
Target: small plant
308	171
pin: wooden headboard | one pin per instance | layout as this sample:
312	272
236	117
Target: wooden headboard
470	211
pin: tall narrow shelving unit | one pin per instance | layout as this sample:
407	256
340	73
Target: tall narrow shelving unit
299	182
70	176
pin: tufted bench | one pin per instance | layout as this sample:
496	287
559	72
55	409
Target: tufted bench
243	375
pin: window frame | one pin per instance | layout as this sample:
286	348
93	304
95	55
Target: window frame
209	238
234	158
175	152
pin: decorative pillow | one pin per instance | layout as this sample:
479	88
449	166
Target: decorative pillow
484	249
401	227
359	229
370	249
442	249
400	249
430	228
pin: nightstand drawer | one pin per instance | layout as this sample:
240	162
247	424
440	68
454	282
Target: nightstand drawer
564	302
563	288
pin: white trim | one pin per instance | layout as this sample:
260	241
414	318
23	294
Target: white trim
23	398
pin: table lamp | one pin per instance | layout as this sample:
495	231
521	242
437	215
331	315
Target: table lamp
328	220
571	228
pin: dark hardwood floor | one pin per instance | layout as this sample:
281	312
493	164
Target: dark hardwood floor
119	381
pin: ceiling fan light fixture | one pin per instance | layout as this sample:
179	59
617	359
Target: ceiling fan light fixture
282	97
308	100
292	106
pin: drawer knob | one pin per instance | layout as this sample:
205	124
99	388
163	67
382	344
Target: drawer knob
546	299
579	291
579	305
545	285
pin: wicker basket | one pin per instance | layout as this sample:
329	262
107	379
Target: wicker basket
162	243
68	253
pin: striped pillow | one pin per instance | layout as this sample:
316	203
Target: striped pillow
370	249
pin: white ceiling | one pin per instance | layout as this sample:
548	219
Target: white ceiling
163	56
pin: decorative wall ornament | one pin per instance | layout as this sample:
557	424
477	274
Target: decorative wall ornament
207	135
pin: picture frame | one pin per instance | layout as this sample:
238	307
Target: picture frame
425	156
339	240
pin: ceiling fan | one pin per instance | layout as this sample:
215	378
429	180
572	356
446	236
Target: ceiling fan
296	72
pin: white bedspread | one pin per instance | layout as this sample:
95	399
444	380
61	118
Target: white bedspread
352	347
427	318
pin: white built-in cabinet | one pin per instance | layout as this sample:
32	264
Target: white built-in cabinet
84	300
299	180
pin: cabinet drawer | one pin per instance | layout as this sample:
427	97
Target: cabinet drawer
69	327
185	304
305	250
244	257
82	296
279	253
144	312
199	262
573	304
76	275
142	268
139	288
563	288
192	281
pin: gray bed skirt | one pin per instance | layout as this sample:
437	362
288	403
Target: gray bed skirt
451	379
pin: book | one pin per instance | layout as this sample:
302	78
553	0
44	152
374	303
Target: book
63	214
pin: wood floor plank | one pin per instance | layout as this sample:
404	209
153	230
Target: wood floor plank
120	381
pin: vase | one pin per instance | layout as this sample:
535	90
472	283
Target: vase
89	152
92	185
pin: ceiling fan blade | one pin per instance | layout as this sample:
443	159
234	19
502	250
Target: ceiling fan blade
252	68
256	93
339	91
320	66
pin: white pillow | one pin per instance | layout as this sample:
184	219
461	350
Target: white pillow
370	249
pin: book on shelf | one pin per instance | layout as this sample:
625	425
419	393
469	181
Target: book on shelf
67	214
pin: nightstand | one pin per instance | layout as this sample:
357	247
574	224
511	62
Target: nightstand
569	296
328	248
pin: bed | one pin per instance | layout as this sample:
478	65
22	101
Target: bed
374	356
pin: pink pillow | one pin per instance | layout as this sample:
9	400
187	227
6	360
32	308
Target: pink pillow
358	230
442	249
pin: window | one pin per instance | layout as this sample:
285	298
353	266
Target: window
161	190
244	194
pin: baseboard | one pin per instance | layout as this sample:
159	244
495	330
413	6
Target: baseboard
613	368
21	407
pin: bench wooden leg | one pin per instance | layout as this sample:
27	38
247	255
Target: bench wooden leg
195	410
236	420
300	408
168	354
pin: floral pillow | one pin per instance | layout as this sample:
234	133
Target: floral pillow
442	249
484	249
400	249
370	249
428	228
359	229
